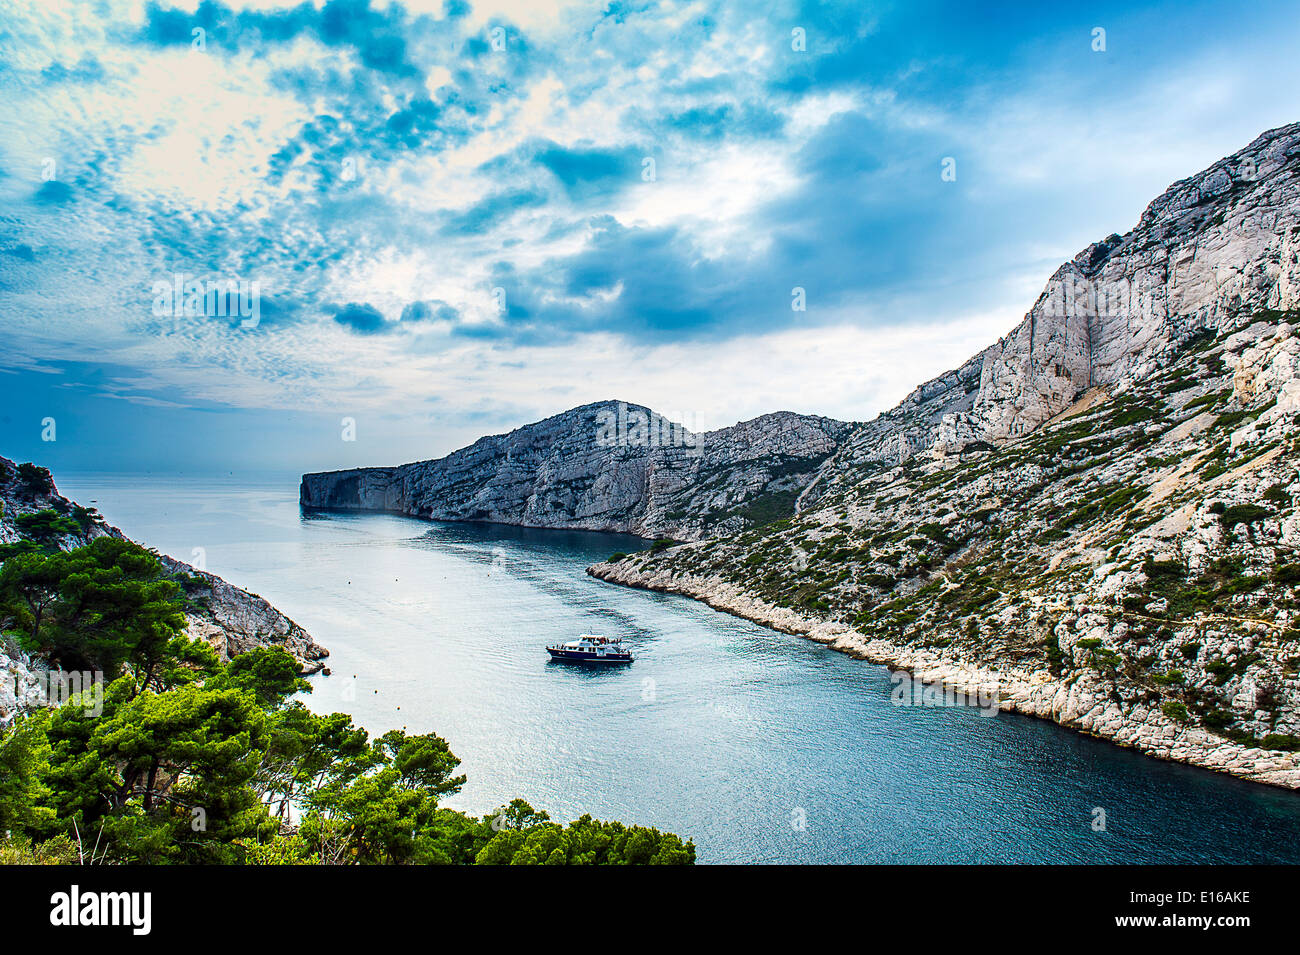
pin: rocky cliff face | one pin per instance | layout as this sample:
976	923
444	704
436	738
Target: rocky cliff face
230	619
1097	517
899	434
235	621
607	466
1210	252
1207	255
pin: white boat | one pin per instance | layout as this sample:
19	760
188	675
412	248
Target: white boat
591	648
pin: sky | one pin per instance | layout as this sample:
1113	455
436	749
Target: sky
424	222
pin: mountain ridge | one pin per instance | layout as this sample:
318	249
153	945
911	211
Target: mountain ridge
1105	528
1095	514
607	466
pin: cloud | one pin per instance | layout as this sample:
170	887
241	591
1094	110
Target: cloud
87	70
377	37
586	171
429	311
492	211
363	318
54	192
427	210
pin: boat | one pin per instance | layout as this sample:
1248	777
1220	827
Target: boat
591	648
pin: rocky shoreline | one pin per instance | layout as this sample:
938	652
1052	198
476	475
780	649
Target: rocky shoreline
1079	702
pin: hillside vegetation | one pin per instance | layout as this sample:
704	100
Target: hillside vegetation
1141	547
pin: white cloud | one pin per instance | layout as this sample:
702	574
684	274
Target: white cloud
189	138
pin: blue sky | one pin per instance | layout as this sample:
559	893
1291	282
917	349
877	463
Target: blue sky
462	217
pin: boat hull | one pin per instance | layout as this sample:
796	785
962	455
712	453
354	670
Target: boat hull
587	656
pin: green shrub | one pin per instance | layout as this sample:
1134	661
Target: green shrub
86	517
45	526
1220	670
1163	569
34	480
1218	719
1276	495
1213	397
1175	711
1132	416
615	558
1244	514
1055	658
1286	574
57	850
1229	420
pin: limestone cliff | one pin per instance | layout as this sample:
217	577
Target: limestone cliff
1210	252
1098	518
1206	256
606	466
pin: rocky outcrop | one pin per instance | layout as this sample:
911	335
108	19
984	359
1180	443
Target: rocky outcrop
1099	516
608	466
23	681
235	621
1209	253
232	620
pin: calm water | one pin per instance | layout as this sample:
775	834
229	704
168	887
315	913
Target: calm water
722	731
